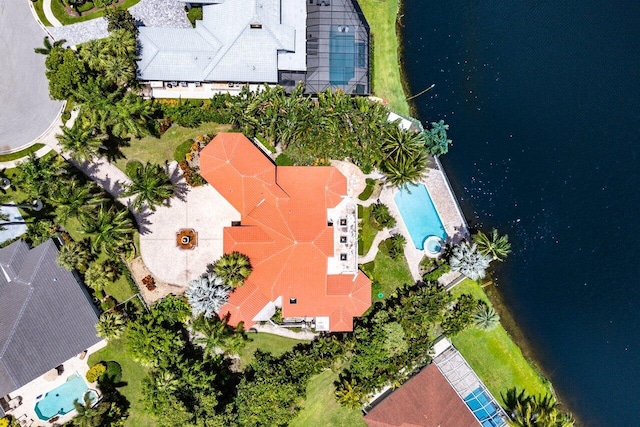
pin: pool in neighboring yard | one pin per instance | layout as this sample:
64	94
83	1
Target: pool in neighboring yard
419	214
59	401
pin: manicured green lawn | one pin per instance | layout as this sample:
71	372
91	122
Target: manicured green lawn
19	154
366	233
157	150
381	16
266	342
37	5
387	273
132	374
65	19
496	359
321	408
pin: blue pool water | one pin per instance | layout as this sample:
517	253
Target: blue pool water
59	401
343	55
483	408
419	214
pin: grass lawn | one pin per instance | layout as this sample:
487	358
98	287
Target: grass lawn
37	5
494	356
19	154
65	19
132	374
367	232
157	150
266	342
387	273
381	16
321	408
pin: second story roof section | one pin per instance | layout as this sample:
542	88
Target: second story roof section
245	41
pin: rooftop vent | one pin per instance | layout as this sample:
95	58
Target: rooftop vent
293	300
256	26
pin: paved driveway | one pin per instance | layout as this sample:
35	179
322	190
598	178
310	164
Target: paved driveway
25	108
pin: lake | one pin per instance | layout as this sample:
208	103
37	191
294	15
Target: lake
543	100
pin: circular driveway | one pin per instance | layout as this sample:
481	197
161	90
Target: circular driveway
25	108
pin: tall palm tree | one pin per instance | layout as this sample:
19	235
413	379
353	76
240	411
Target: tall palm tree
494	245
535	411
112	229
348	393
399	144
218	336
122	43
436	138
469	261
40	177
396	245
76	199
406	170
233	268
119	70
151	186
131	116
75	255
485	317
111	326
48	46
82	143
206	295
95	277
87	414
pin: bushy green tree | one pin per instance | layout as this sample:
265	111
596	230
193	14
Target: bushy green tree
461	316
65	72
120	19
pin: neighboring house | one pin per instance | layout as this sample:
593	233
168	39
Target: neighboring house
445	393
46	316
320	42
298	227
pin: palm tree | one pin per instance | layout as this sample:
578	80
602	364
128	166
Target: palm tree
233	268
399	144
112	229
485	317
40	177
87	414
75	255
494	245
122	43
76	199
131	116
348	393
95	277
219	336
48	46
395	245
207	295
381	215
111	325
535	411
119	70
436	138
83	143
151	186
40	231
469	261
406	170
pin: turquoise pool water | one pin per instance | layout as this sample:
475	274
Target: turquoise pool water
59	401
483	408
419	214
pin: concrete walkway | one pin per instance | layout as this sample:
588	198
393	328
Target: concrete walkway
46	7
303	335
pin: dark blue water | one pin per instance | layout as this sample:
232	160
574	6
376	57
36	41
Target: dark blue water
543	102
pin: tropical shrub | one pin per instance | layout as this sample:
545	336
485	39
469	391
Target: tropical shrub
113	372
381	217
395	245
436	138
485	317
111	325
466	259
95	372
75	255
207	295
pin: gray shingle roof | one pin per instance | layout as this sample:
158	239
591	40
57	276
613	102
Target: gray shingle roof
237	40
46	316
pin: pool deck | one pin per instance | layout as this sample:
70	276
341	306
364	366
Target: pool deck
448	210
43	384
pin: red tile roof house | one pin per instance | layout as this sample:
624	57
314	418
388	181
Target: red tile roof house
426	400
299	229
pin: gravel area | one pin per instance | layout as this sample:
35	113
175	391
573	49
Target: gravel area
149	13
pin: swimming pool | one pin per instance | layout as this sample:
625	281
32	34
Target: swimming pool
419	214
59	401
483	408
343	54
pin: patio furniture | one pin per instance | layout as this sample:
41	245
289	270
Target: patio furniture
15	402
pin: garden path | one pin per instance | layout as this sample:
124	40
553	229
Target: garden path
46	7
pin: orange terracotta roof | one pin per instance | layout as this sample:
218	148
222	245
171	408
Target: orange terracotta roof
285	234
